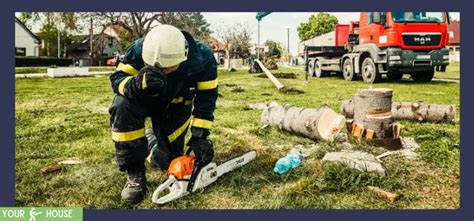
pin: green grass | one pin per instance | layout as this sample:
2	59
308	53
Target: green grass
30	70
94	69
452	72
65	118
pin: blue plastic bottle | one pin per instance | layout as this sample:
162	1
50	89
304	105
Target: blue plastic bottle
291	160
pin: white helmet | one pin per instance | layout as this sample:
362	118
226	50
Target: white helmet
164	46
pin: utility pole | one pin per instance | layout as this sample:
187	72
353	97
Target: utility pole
258	41
91	36
288	44
59	42
259	17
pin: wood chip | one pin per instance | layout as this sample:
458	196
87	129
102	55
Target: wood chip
391	197
51	169
70	162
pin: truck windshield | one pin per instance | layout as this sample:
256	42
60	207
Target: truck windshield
426	17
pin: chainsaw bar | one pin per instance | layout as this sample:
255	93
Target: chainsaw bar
211	172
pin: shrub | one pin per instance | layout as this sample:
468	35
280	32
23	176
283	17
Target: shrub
23	61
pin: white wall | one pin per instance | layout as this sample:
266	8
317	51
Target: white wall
454	53
24	40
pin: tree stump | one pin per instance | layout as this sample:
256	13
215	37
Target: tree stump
372	113
317	124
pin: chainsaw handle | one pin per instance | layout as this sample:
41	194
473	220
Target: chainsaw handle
166	185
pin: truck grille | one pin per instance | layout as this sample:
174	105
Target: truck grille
421	38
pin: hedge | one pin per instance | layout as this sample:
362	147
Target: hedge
23	61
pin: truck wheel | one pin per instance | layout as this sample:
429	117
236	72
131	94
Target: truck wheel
370	73
347	70
317	69
394	76
311	67
423	77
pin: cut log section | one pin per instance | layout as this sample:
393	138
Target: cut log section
270	76
317	124
415	111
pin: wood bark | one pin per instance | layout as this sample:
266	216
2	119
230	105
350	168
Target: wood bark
270	76
372	112
415	111
315	123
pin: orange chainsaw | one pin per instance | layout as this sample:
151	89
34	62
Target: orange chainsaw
184	177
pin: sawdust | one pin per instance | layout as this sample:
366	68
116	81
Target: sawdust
279	75
97	108
228	85
291	91
237	90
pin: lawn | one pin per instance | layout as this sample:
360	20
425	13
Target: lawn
58	119
452	72
40	70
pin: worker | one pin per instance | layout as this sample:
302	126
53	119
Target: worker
171	78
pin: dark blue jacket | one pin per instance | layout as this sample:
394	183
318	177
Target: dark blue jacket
195	78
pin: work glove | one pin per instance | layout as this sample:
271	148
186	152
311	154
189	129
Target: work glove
201	146
150	82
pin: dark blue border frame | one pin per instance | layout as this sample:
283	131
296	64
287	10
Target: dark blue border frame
7	103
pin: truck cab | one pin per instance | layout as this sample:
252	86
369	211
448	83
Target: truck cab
397	43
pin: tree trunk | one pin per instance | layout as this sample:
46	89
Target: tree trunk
372	112
270	76
416	111
317	124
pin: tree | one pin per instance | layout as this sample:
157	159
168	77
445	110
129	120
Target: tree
275	49
137	24
192	22
52	23
317	25
237	39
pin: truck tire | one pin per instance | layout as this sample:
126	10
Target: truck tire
423	77
370	72
311	67
318	72
394	76
348	70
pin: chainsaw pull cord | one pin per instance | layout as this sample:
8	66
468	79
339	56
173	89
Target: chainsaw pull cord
197	168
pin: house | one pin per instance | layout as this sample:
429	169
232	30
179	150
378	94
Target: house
26	43
219	49
105	45
454	41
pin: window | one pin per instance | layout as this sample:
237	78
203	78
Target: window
419	17
20	51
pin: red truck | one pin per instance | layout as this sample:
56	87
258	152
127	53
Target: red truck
390	43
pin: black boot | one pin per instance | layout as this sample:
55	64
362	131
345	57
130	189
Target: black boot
135	189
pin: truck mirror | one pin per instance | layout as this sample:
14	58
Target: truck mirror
376	17
383	17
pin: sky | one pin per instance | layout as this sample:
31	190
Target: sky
274	26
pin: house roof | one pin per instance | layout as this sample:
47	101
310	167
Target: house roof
454	27
81	42
216	45
38	40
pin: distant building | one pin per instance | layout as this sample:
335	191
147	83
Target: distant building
219	49
104	46
454	41
26	43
